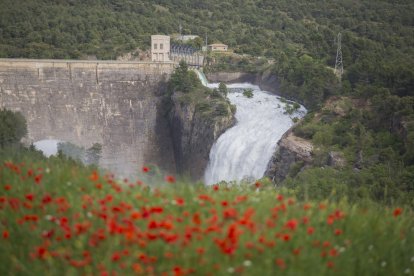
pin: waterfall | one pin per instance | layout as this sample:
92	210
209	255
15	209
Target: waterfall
202	77
244	151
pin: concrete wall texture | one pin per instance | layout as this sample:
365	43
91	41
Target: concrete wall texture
117	104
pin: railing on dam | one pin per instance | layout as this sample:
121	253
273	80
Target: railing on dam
148	67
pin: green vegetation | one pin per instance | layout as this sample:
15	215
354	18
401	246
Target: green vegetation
60	218
290	107
185	86
223	89
12	128
88	156
372	137
248	93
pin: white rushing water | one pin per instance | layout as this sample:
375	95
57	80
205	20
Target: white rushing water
245	150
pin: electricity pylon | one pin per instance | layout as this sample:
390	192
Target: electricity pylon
339	66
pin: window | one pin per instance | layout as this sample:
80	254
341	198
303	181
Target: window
155	46
161	46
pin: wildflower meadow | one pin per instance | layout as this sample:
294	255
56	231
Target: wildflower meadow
61	219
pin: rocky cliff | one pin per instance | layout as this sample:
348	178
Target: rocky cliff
193	132
291	150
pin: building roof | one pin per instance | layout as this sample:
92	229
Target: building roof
160	36
218	45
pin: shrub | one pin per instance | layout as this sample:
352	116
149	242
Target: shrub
12	127
248	93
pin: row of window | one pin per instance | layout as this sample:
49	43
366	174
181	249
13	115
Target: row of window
156	45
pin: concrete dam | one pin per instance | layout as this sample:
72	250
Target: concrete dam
116	104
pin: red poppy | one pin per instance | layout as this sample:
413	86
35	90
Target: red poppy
170	179
330	264
38	178
333	252
29	197
286	237
280	263
338	232
115	257
306	206
397	212
310	230
7	187
179	201
196	219
145	169
296	251
6	234
291	224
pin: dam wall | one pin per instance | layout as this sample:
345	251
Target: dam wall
116	104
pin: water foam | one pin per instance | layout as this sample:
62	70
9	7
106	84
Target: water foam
244	150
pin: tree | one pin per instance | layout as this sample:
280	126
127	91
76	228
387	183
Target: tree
71	150
12	127
93	154
184	80
223	89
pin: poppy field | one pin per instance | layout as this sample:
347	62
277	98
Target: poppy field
60	219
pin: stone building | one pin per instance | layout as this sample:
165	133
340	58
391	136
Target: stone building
160	48
217	47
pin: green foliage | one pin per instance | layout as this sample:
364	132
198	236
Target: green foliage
373	137
71	151
12	127
62	218
373	183
188	90
93	154
223	89
184	80
291	108
90	156
248	92
222	109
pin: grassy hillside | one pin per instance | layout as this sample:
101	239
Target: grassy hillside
59	218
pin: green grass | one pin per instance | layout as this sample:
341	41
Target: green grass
82	222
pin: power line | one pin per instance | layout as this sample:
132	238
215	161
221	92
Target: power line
339	66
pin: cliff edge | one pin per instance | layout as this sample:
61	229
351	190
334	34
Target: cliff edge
291	150
197	117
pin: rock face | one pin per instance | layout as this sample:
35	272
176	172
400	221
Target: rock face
291	150
193	135
116	104
336	159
